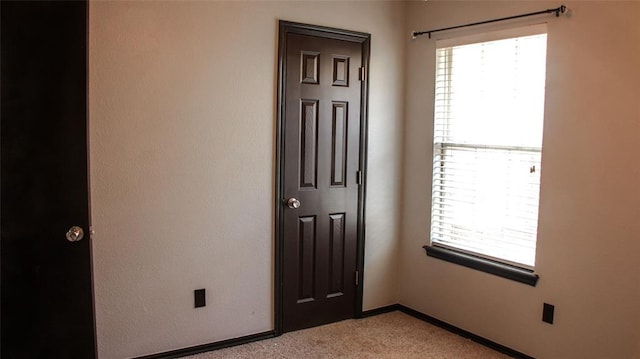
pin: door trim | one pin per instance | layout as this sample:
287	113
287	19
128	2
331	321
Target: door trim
364	39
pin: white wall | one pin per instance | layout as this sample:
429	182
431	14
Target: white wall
182	120
588	253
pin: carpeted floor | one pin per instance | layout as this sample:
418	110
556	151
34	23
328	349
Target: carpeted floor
390	335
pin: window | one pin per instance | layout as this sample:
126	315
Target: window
488	122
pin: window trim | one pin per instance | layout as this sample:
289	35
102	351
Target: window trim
503	268
495	35
485	265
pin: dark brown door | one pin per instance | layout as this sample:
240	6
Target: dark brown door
322	143
46	290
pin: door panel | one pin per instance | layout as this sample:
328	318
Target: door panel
46	290
322	130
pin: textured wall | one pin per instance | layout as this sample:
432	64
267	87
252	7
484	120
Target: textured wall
182	121
589	230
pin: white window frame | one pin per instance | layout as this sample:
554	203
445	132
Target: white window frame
439	248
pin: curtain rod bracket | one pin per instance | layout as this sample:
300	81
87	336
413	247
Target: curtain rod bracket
559	10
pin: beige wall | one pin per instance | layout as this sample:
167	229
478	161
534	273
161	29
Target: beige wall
588	253
182	121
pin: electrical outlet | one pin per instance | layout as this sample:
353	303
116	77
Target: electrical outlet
547	313
199	298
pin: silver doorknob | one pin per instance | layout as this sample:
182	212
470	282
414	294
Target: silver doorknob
75	234
293	203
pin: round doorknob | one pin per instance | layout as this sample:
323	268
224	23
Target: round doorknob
75	234
293	203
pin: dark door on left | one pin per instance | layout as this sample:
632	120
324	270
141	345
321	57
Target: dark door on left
46	289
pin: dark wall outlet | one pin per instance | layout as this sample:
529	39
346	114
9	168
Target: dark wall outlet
547	313
200	298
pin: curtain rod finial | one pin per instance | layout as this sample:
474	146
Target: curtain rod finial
414	35
561	10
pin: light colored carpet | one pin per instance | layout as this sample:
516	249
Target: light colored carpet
390	335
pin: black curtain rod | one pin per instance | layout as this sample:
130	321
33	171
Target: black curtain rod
559	10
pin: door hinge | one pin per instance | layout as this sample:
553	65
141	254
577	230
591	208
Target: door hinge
359	177
357	278
363	73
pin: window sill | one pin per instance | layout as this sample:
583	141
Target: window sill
483	265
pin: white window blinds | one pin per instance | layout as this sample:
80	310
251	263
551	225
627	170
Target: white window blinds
487	142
